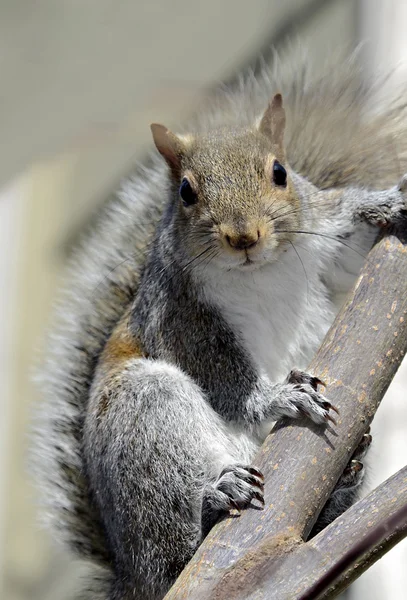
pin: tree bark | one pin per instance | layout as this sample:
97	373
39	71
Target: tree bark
262	554
355	541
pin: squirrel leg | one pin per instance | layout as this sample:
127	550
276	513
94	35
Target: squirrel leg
353	217
348	208
152	444
386	207
347	488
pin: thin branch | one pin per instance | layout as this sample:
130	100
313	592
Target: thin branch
334	558
361	556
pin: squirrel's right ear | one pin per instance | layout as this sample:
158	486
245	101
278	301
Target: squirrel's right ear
273	124
170	146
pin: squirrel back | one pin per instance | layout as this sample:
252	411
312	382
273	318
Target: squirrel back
332	139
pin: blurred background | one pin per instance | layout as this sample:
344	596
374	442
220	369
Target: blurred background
80	81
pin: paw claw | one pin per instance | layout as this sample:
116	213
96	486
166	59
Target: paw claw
234	506
300	377
331	419
319	381
260	497
256	472
356	465
308	400
238	485
259	484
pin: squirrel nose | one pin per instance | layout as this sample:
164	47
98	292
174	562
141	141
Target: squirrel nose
242	242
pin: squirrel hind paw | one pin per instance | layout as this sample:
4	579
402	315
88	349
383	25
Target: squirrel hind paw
239	485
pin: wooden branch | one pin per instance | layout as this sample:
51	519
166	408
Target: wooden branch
301	463
355	541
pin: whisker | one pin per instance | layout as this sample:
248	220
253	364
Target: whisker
193	260
209	257
107	276
324	235
301	209
303	267
189	264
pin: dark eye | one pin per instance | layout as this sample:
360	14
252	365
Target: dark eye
187	194
279	174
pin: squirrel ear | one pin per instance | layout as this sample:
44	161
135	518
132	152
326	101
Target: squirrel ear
169	146
273	123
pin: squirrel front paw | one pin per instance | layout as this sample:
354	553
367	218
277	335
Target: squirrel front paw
400	209
402	185
389	207
300	396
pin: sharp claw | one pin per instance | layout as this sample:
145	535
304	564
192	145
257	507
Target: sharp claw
333	407
319	381
259	497
256	472
356	465
329	418
257	483
314	381
234	505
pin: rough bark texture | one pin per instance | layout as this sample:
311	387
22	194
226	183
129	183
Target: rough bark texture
262	554
355	541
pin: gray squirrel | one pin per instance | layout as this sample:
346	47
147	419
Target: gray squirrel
215	270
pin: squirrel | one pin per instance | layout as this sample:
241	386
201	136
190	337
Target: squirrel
215	270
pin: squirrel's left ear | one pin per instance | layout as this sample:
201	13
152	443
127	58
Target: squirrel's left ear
273	124
170	146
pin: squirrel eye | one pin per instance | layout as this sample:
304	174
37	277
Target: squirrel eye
279	174
187	194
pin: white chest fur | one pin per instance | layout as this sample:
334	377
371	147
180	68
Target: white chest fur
281	311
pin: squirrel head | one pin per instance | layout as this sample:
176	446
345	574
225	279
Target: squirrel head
235	201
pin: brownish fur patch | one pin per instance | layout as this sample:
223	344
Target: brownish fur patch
121	346
102	406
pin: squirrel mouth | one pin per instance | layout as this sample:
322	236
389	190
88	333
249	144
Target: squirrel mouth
247	262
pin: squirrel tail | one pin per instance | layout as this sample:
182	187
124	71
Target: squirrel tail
102	280
344	128
97	584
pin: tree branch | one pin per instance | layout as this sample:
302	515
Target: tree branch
301	462
346	548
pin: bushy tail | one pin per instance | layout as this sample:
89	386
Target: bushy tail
102	280
342	129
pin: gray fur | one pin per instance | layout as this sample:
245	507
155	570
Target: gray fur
127	489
